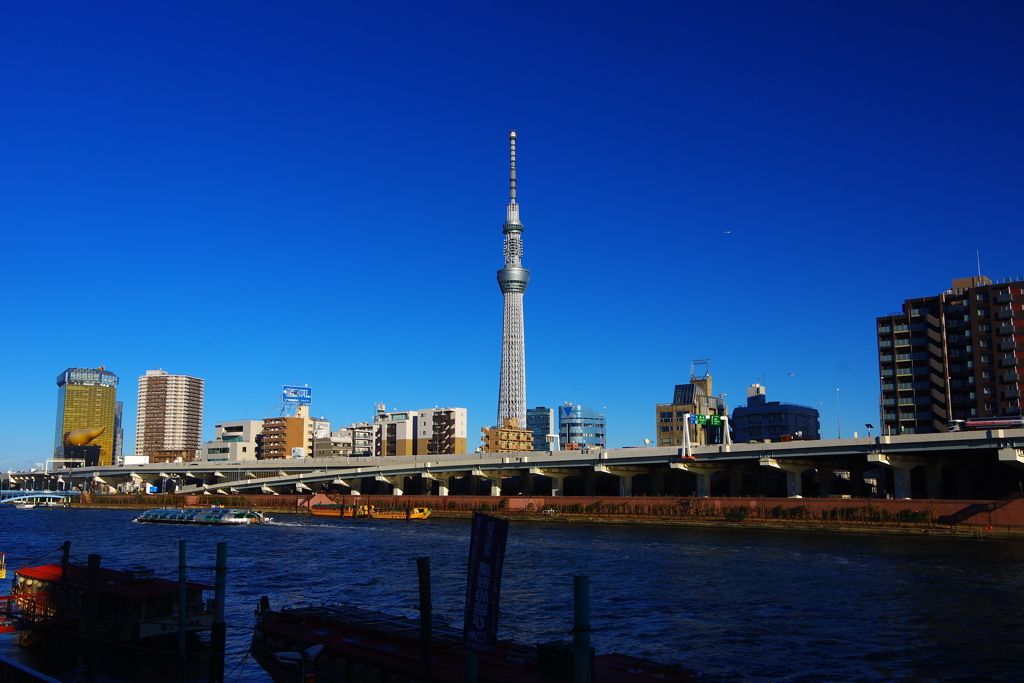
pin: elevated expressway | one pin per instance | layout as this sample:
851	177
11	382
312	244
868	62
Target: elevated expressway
961	451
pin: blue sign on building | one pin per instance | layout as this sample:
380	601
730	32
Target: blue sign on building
297	396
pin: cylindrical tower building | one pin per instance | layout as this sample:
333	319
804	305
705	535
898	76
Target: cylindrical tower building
513	279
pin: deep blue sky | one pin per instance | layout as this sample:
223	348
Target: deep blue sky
263	193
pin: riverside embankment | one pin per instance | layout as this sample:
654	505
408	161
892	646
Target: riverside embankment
819	515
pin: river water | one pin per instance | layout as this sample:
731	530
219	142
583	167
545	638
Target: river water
735	605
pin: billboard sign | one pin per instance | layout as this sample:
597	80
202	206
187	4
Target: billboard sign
296	396
483	582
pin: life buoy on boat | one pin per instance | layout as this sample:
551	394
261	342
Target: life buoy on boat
988	527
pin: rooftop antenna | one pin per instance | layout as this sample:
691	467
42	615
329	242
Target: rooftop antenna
977	253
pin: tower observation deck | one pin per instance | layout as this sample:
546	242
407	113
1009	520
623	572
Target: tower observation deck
513	279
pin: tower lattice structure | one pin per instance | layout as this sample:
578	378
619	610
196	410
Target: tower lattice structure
513	279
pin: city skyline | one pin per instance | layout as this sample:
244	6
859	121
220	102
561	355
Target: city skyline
750	184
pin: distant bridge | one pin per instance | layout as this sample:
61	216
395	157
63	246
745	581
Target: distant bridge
18	496
927	465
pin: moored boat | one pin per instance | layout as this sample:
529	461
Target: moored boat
340	644
104	604
206	515
367	511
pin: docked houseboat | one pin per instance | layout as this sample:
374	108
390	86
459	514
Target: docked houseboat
104	604
367	511
204	515
340	644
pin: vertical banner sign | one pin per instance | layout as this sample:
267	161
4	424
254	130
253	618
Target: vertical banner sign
483	582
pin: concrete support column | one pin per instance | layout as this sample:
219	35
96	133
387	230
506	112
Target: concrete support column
794	484
657	484
857	487
794	475
556	484
442	483
735	483
395	483
901	477
495	487
703	483
933	475
763	476
964	488
354	487
826	478
527	484
625	485
590	483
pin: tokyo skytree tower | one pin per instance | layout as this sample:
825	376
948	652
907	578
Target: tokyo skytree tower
513	279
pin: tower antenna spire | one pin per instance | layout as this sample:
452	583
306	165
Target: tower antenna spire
512	168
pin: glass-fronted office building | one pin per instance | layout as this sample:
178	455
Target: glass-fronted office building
87	399
542	422
580	426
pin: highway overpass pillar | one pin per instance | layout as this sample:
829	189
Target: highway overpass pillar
735	483
933	477
657	484
590	483
826	476
793	472
900	472
441	479
964	488
625	485
527	484
762	482
556	484
794	484
494	481
395	482
703	483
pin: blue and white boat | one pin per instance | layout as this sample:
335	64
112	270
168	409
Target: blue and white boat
204	515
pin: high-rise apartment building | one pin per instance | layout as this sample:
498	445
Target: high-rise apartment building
86	400
955	355
543	423
397	432
169	421
440	431
580	427
288	436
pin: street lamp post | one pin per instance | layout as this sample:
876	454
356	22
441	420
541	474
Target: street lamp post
839	422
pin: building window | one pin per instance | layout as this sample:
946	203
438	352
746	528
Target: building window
985	343
987	374
989	390
984	327
982	311
986	359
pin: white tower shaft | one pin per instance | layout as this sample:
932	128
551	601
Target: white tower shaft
513	279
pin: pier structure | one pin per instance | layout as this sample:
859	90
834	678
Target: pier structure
959	465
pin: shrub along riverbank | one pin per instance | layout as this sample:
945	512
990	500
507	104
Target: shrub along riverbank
850	515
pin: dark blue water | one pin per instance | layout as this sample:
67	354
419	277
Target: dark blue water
734	605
